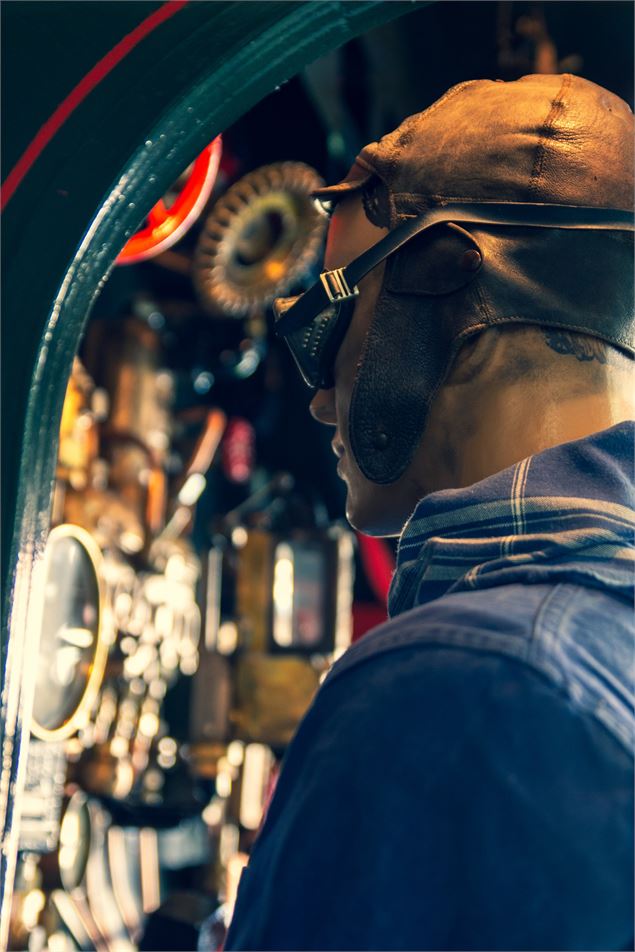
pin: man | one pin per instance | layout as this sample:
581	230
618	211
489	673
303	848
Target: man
464	778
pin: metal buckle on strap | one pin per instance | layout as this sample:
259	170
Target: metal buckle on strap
336	286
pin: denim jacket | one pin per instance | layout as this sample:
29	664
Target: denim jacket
464	777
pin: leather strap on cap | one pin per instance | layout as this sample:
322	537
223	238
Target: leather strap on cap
521	214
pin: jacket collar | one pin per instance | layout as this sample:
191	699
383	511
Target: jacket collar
564	514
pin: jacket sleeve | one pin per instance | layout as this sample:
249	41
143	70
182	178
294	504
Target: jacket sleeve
438	798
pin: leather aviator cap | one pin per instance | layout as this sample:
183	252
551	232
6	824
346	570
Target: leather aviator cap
557	140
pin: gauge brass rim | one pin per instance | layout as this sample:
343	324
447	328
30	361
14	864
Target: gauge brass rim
97	668
242	261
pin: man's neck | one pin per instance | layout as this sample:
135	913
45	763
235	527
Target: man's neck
470	439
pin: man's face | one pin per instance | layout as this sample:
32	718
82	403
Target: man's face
371	508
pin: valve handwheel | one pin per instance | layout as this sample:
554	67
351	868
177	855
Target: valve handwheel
165	226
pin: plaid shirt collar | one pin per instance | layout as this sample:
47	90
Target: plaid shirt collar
563	515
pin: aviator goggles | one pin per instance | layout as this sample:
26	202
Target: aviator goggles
314	324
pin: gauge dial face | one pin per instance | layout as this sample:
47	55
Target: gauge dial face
71	654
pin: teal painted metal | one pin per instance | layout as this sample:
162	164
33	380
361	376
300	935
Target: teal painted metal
86	194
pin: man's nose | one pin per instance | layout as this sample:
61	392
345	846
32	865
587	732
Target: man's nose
322	407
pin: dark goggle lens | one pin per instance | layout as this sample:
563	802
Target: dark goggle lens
315	346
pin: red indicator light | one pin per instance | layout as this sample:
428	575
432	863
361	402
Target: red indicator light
165	226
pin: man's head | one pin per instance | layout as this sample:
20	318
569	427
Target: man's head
429	317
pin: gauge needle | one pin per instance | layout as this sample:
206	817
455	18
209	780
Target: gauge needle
78	637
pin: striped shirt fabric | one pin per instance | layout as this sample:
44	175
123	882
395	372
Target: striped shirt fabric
566	514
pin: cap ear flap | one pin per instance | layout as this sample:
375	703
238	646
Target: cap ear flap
440	260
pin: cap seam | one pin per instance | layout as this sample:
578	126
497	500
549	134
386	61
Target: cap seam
396	149
540	157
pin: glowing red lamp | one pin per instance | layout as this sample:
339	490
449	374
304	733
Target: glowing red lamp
165	226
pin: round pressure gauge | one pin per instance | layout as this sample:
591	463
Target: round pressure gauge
72	652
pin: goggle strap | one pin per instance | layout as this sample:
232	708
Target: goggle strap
521	214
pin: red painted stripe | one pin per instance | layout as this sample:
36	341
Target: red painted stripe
99	71
379	564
